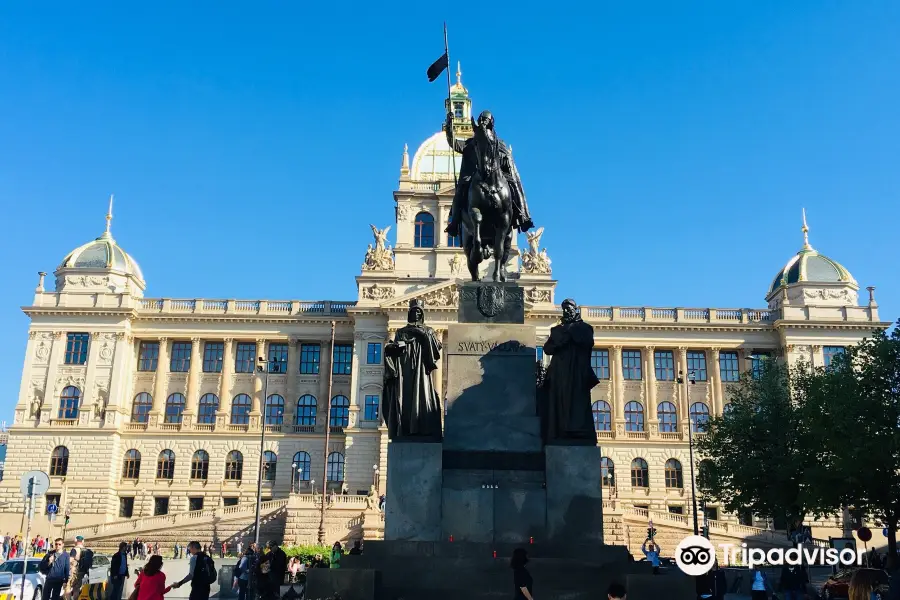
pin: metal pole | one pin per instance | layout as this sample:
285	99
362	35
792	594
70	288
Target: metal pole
29	506
262	448
450	108
327	439
691	456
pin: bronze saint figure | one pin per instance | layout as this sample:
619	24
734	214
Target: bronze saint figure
412	409
566	406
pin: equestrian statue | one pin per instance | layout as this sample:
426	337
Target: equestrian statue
489	203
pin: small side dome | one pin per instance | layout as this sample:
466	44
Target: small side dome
812	267
102	253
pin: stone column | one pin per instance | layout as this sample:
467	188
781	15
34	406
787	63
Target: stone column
50	406
618	376
119	396
715	375
225	381
160	382
324	409
293	369
681	365
193	382
650	382
258	400
357	346
89	393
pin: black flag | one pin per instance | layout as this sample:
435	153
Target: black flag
437	67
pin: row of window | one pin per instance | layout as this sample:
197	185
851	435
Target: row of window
161	504
245	357
208	405
665	412
640	473
234	465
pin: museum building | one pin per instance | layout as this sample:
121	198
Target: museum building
140	406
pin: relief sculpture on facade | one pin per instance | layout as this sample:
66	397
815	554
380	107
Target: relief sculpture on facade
377	292
534	259
381	257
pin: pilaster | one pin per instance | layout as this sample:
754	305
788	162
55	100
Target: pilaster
616	373
650	382
258	400
51	394
160	382
716	383
325	360
119	379
225	381
681	367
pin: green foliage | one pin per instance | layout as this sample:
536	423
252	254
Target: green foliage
307	552
756	455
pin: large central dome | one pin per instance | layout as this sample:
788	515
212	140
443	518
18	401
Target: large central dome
433	160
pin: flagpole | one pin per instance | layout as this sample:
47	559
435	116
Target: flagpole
450	109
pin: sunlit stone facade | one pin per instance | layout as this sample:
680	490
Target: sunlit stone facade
137	406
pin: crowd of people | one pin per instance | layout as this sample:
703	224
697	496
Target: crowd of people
65	572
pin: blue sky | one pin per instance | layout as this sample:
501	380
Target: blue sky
667	148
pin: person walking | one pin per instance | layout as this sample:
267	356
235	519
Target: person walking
273	566
151	582
337	552
242	574
57	569
793	582
522	580
201	573
118	572
83	560
760	588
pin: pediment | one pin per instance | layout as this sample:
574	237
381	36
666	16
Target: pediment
440	295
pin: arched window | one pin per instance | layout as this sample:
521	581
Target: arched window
234	466
174	408
340	411
69	401
131	465
674	478
608	472
59	461
141	407
270	463
240	410
634	416
454	241
306	411
699	417
424	230
200	465
602	415
640	473
336	467
165	465
209	404
301	466
668	417
274	410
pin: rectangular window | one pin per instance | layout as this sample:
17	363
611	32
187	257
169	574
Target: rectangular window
757	363
373	353
342	359
696	362
371	411
126	507
631	365
829	352
664	365
213	354
728	366
309	359
600	363
148	357
181	357
229	501
676	510
195	503
245	357
278	358
160	505
76	348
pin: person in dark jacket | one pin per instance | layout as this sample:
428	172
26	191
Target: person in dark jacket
118	572
277	560
793	582
56	568
719	582
200	586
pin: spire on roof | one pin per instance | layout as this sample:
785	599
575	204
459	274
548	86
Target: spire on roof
805	230
458	73
107	235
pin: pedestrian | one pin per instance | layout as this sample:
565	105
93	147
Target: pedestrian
381	502
760	588
118	572
356	550
224	549
151	582
651	551
56	569
793	582
82	561
201	573
6	546
273	565
253	576
20	548
720	583
863	584
522	581
242	574
616	591
240	548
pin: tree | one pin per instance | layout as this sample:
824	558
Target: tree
854	415
759	450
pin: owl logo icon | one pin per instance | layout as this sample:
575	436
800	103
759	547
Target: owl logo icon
695	555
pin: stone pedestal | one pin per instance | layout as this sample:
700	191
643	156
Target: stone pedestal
574	494
490	302
413	505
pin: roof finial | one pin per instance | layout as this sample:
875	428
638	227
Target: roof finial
805	230
109	215
458	73
404	163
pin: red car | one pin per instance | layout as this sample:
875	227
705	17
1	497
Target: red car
838	584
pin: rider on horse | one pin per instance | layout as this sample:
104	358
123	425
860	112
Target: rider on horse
521	217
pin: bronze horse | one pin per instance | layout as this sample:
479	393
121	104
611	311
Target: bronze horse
487	220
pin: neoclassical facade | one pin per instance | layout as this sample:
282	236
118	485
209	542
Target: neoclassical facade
138	406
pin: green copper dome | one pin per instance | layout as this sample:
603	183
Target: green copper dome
808	266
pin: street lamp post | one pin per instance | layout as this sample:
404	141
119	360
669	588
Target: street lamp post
293	469
375	476
327	439
690	426
263	367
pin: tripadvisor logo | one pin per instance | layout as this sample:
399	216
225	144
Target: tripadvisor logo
695	555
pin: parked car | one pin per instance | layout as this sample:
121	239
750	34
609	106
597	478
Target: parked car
34	580
838	584
100	571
